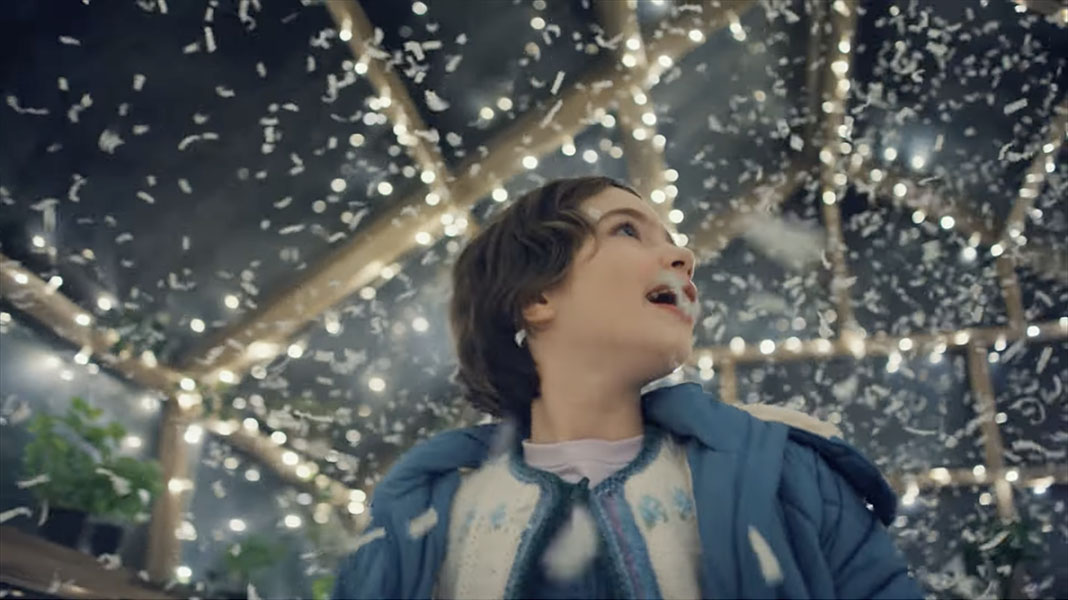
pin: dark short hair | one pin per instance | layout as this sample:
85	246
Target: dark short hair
520	253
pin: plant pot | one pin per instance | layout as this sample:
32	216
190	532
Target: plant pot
105	539
64	527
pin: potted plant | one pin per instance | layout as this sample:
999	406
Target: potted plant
74	463
243	561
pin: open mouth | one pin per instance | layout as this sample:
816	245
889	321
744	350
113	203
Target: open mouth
670	299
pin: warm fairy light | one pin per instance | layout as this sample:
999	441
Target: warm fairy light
900	189
658	196
979	471
940	475
338	185
193	434
530	162
696	36
427	176
295	351
196	325
890	153
290	458
293	521
590	156
1000	418
537	23
187	384
377	384
237	525
947	222
252	474
250	424
829	197
278	437
423	238
83	320
385	188
737	345
675	216
420	9
368	293
1012	475
485	113
39	242
504	103
767	347
568	149
500	194
420	324
231	301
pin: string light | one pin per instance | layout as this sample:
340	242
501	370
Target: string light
193	434
278	437
420	9
83	320
530	162
187	384
196	325
252	474
385	188
290	458
376	384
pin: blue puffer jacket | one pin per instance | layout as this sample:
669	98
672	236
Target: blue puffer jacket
807	494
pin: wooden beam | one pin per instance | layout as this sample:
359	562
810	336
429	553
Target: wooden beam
390	237
834	94
1016	222
164	548
401	110
993	447
645	162
728	382
940	477
795	349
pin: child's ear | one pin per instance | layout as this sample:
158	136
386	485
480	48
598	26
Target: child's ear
539	312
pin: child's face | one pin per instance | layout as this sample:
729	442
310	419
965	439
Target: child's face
604	304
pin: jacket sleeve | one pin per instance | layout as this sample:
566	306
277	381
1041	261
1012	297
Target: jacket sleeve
858	549
371	570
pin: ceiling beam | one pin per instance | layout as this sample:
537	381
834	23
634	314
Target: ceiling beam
391	236
881	344
834	150
645	162
352	23
1043	163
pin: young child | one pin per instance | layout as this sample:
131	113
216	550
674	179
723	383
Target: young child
565	307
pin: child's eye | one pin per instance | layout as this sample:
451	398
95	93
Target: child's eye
627	225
